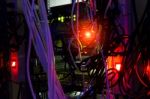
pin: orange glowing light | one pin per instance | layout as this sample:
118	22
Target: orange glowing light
87	37
115	62
88	34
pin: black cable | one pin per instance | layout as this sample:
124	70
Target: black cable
134	11
138	27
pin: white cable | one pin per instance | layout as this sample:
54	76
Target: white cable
46	56
29	48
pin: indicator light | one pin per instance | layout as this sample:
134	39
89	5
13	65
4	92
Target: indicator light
118	66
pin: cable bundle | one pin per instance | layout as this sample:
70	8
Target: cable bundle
135	61
134	80
39	35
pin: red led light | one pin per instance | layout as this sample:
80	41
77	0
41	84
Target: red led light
13	64
148	70
14	59
118	66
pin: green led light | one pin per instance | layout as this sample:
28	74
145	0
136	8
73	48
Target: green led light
62	21
62	18
59	18
59	43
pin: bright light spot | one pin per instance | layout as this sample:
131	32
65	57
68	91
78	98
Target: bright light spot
74	16
85	52
62	21
74	19
88	35
59	19
13	64
40	93
118	67
62	18
78	93
75	94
